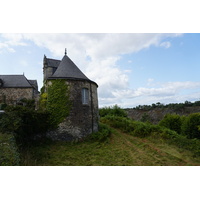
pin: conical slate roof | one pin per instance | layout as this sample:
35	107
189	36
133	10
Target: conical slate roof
67	69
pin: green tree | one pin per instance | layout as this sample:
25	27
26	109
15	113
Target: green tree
191	126
172	122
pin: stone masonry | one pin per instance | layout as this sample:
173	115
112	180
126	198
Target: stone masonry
82	119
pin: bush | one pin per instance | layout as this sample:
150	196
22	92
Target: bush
141	129
103	133
9	154
191	126
135	128
145	118
24	122
3	106
113	111
172	121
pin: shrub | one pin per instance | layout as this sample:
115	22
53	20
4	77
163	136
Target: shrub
141	129
172	122
3	106
103	133
24	122
137	128
121	123
29	103
145	118
9	154
114	111
191	126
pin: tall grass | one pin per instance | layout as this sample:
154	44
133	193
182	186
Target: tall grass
141	129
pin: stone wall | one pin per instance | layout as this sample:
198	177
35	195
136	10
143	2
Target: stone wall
83	119
13	95
47	72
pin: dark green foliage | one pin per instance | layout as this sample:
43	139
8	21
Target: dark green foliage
145	118
136	128
29	103
3	106
103	133
113	111
9	154
24	123
172	121
196	103
58	103
191	126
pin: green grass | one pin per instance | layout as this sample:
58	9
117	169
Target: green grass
121	149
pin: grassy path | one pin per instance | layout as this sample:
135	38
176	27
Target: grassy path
121	150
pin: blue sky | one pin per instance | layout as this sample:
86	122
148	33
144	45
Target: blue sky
130	69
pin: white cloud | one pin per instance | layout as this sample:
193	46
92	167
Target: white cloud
167	92
11	41
5	47
165	44
103	51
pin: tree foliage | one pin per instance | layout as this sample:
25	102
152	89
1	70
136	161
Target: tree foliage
172	122
113	111
24	123
191	126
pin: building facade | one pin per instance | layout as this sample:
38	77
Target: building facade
14	88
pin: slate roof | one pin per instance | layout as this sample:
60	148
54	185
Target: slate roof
34	84
67	69
15	81
52	62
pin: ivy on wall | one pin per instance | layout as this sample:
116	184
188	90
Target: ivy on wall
43	101
58	103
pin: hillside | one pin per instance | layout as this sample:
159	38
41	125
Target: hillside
120	149
157	114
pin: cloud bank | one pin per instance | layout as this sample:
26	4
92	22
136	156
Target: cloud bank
97	56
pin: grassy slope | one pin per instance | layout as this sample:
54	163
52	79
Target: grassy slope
122	149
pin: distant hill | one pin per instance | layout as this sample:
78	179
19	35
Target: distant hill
154	115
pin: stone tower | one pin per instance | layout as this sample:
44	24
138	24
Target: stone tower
83	113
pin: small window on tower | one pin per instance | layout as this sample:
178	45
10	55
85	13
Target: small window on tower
85	96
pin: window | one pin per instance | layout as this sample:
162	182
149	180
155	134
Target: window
85	96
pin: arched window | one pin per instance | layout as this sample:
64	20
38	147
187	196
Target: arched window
85	96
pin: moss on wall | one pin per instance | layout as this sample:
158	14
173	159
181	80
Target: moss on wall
58	103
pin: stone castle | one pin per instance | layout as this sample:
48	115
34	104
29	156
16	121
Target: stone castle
83	113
